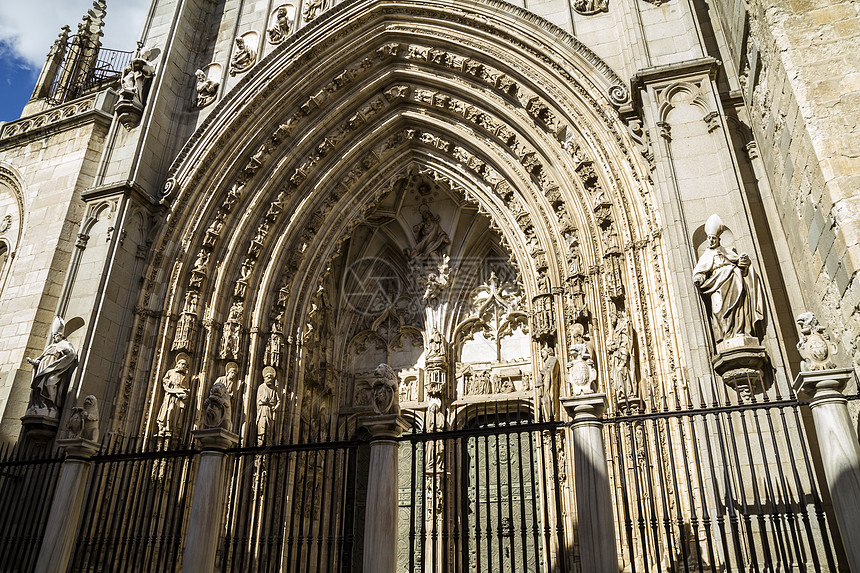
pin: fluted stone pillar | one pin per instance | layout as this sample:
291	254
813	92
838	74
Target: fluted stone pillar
204	523
62	527
597	544
380	522
840	452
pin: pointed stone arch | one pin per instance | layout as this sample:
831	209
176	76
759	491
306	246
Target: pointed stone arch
505	110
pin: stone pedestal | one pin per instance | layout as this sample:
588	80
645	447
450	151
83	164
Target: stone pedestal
204	523
840	452
380	522
741	363
62	526
597	542
39	433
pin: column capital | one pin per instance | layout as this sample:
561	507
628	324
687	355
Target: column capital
588	408
385	425
215	438
79	447
820	385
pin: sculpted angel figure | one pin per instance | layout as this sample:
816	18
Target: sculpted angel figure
207	89
51	373
175	394
734	290
243	58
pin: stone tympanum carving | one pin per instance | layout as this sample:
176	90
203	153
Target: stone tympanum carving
267	405
175	384
282	25
51	374
217	411
206	88
384	391
84	421
815	346
548	384
581	374
733	288
243	58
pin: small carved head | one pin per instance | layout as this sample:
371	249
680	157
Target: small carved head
268	375
807	322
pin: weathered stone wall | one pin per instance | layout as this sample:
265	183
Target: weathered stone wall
56	163
801	75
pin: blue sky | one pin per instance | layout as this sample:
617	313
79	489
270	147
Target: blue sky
28	29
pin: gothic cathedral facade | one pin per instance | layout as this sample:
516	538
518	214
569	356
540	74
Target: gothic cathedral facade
578	255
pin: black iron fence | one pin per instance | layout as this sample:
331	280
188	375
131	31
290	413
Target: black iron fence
136	506
724	484
727	483
291	508
27	485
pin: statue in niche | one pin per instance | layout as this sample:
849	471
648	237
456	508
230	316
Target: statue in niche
279	32
581	374
243	58
230	337
409	389
548	384
84	421
436	345
200	262
52	372
620	348
136	77
275	344
217	410
437	282
267	405
207	89
231	374
429	237
384	391
185	325
175	394
815	346
733	288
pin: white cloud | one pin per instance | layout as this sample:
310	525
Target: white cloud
29	28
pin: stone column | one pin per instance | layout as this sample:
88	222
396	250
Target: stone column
204	523
62	527
840	452
380	522
597	542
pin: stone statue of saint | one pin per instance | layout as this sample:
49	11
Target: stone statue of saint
52	372
620	348
384	391
243	58
207	89
231	373
267	404
436	346
175	393
732	287
547	385
84	421
281	29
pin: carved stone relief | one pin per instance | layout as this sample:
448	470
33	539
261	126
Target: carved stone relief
281	23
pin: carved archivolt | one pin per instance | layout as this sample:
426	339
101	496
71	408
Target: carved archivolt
258	215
